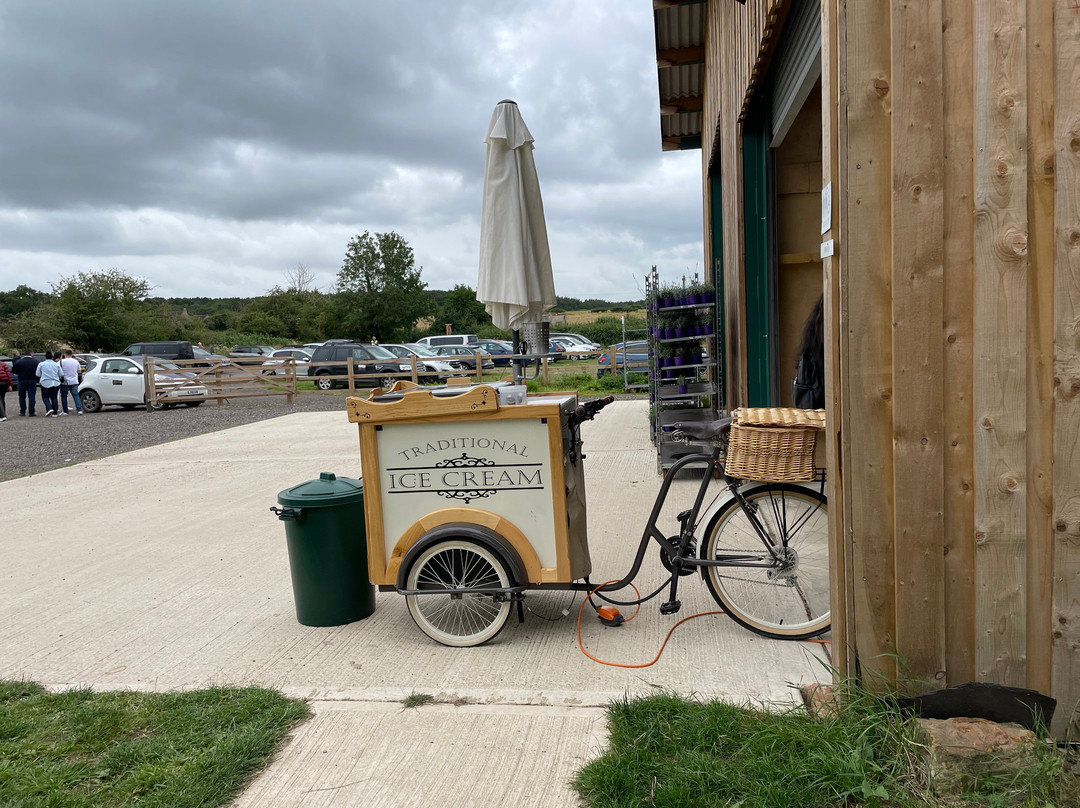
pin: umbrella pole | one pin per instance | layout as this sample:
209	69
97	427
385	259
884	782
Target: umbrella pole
516	362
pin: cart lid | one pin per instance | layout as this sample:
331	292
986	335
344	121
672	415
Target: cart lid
329	489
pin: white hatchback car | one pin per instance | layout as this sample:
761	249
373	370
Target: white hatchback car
118	380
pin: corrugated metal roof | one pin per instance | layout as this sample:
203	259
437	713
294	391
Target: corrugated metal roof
683	81
680	26
680	30
681	124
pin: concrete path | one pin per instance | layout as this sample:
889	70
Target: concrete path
176	576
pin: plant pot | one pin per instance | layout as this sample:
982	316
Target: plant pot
708	329
680	333
682	389
668	302
699	330
698	299
669	374
678	360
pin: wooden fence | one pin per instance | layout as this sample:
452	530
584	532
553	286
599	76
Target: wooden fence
171	383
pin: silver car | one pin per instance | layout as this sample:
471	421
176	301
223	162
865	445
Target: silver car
426	358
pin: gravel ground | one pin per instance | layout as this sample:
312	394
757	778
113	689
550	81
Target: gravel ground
32	445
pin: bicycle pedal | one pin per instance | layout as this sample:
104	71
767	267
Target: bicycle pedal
671	607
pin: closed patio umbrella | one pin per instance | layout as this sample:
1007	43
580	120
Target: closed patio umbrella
515	283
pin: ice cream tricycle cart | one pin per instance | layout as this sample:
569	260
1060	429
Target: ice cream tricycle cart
475	494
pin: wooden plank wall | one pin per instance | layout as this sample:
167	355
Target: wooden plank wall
958	77
917	312
952	139
959	338
1065	628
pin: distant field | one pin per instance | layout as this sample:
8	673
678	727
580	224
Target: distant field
580	317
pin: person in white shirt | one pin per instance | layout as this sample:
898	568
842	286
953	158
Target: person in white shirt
48	375
69	368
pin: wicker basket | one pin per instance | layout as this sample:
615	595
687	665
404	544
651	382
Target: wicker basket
773	444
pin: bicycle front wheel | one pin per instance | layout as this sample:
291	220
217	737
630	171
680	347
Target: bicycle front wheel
782	594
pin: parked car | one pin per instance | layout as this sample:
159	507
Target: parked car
366	359
466	356
86	358
426	359
165	349
7	360
119	380
252	353
575	338
636	352
206	359
556	349
574	350
501	351
301	355
448	339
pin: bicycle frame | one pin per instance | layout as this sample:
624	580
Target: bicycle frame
677	553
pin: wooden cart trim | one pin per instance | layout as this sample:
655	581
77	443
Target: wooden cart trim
493	521
417	403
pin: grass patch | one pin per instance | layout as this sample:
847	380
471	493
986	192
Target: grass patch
79	748
415	699
669	752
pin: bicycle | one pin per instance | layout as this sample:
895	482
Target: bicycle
764	555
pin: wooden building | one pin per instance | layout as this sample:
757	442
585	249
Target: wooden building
919	165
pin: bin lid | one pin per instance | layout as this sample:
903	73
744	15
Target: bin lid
329	489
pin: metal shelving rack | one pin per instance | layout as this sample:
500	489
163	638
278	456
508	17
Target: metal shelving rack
667	405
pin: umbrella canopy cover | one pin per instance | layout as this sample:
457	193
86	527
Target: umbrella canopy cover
515	282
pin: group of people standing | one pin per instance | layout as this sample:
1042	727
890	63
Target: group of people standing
57	375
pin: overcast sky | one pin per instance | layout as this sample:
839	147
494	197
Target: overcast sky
209	146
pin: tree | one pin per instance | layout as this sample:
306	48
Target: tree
463	310
21	298
31	330
300	280
101	310
379	291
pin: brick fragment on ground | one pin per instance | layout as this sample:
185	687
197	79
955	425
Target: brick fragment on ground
820	700
966	751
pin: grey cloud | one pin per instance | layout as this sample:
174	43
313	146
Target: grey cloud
324	119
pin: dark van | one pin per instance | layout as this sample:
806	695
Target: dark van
170	349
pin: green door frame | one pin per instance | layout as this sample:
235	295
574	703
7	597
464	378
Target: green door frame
759	219
716	229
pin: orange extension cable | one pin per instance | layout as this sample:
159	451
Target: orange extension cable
667	637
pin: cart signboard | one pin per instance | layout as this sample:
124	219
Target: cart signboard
501	466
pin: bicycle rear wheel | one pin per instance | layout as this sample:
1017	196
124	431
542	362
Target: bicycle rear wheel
786	596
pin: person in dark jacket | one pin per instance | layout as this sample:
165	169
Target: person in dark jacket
25	368
808	386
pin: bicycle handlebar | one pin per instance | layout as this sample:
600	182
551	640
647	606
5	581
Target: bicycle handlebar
588	410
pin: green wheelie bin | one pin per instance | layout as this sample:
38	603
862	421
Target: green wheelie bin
324	527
